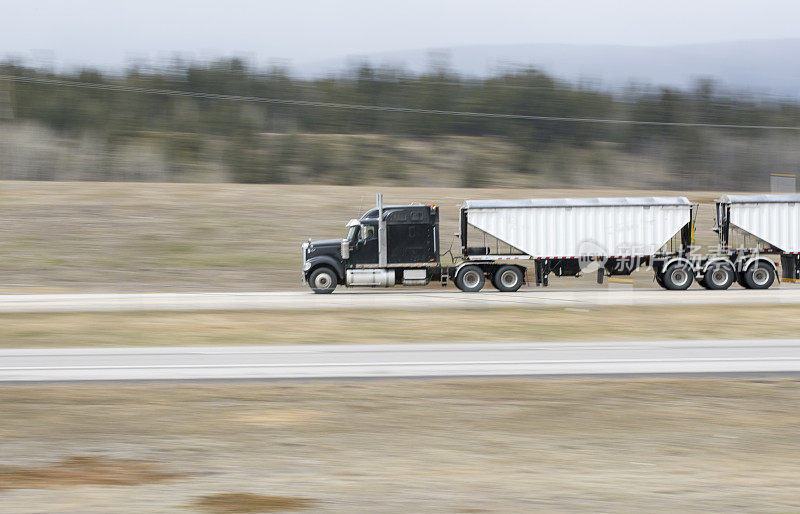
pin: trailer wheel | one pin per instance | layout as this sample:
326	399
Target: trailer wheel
507	279
677	277
718	276
759	276
470	279
322	280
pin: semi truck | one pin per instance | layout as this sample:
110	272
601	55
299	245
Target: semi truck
506	241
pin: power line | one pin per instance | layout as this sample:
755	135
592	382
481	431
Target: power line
502	85
592	87
382	108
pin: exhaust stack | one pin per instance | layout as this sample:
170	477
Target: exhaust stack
382	260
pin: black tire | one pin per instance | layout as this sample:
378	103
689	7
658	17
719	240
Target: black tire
322	280
678	277
759	275
470	279
702	282
660	280
507	279
740	279
718	276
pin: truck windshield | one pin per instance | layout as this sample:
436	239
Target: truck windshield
352	233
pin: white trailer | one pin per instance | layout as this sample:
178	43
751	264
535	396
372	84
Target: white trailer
753	227
565	236
582	227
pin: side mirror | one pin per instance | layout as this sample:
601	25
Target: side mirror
345	249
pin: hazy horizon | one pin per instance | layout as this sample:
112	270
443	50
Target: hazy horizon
85	33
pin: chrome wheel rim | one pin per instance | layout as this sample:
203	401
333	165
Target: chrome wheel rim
508	278
323	281
679	277
471	279
719	277
760	276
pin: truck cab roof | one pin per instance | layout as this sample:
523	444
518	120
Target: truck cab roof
400	214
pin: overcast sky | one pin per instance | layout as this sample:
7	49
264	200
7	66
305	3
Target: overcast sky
108	33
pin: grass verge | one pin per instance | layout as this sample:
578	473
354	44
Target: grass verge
383	325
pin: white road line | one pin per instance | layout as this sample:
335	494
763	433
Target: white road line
361	299
401	360
410	363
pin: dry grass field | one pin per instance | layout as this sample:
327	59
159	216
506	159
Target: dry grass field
94	236
487	445
483	445
167	328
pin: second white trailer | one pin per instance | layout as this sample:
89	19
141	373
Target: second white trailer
753	227
567	236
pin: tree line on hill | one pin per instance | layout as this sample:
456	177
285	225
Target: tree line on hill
175	137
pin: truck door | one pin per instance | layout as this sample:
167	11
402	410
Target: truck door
365	250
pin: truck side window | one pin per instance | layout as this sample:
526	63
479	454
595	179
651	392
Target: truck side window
368	233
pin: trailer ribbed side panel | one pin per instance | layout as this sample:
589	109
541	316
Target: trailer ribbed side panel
777	223
613	230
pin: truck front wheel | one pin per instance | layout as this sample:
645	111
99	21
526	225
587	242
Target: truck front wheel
507	279
322	280
470	279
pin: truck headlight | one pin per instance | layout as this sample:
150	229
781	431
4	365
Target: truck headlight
306	266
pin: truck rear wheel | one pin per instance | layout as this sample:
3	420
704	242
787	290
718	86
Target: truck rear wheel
718	276
322	280
759	275
470	279
507	279
677	277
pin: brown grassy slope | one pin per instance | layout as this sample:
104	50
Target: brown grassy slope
687	445
93	236
389	326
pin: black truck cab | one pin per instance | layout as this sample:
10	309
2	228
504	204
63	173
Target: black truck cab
411	234
386	246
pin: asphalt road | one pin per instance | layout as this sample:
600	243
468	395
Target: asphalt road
401	360
389	299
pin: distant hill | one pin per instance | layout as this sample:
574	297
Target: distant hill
763	66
